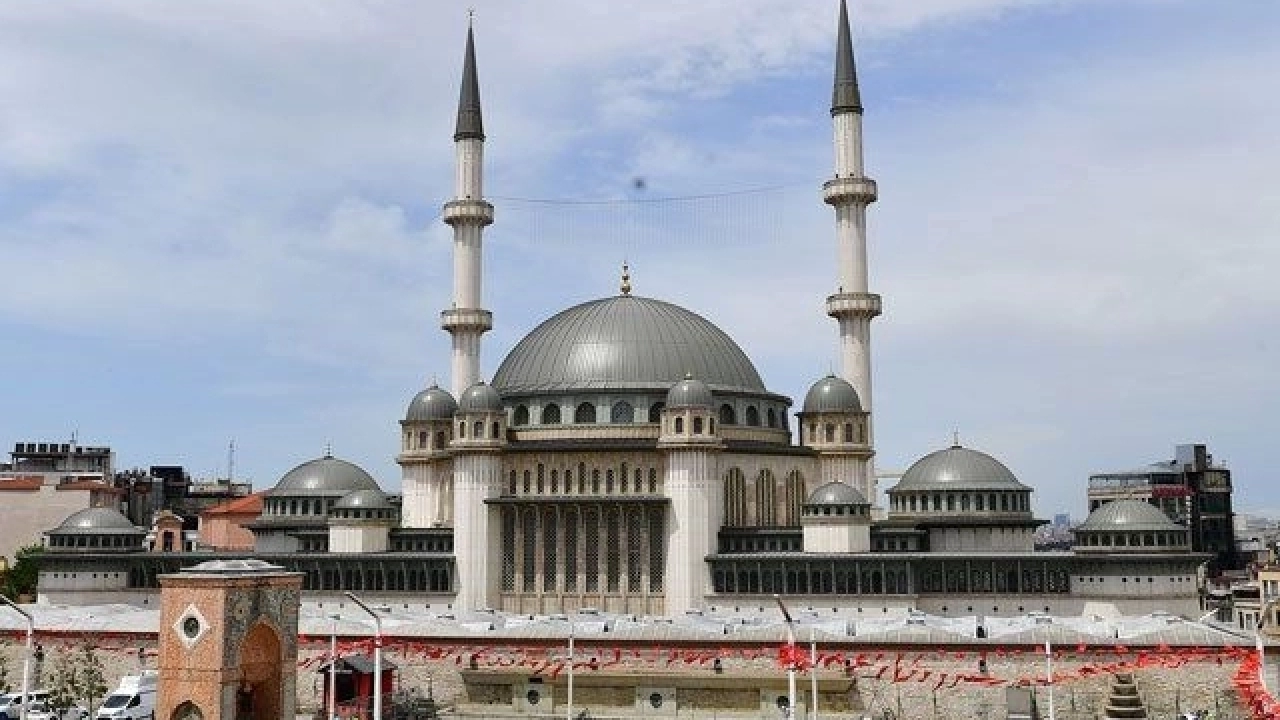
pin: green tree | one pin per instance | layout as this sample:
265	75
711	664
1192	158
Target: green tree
22	576
4	667
93	684
64	682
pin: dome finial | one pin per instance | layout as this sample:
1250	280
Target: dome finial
955	438
328	449
626	278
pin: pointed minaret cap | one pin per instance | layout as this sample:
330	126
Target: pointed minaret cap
845	96
470	124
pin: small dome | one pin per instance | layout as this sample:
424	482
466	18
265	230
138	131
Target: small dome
431	404
480	398
836	493
689	393
958	468
368	499
98	521
1136	515
832	395
326	476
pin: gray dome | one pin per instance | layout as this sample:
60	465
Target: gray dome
368	499
431	404
958	468
98	521
836	493
690	393
832	395
480	398
1137	515
233	567
625	343
326	476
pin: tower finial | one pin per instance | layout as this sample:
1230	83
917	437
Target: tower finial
626	278
470	124
845	96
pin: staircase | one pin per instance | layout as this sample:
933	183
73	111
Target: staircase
1124	702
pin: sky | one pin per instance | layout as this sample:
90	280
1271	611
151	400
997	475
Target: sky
220	221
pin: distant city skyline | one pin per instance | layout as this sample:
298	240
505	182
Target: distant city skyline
224	225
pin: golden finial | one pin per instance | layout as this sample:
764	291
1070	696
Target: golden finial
626	278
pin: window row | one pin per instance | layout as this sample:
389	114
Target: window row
1159	539
623	412
764	506
847	432
622	480
960	502
118	542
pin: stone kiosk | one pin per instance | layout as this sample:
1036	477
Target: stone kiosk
228	642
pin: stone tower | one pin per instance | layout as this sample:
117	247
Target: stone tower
468	214
849	193
228	642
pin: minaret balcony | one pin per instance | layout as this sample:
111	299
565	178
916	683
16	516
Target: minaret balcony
466	319
468	212
849	189
853	304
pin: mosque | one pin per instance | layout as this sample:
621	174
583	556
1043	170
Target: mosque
627	456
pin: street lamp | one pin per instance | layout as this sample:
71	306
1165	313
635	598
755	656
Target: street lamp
26	656
791	664
377	654
333	666
568	712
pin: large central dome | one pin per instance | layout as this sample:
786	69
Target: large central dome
625	343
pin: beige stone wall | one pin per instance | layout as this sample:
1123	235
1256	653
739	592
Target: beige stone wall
1199	685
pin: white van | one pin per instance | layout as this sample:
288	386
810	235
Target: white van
133	699
11	703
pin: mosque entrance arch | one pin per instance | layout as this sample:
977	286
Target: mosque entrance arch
260	657
187	711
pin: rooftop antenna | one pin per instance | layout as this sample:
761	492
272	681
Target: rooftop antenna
231	461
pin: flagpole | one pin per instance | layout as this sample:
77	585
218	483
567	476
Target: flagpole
1048	675
568	708
813	671
791	659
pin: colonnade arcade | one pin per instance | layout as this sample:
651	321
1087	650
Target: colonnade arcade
560	554
871	575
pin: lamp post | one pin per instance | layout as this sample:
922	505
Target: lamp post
333	666
813	672
1048	674
568	708
791	665
377	654
26	656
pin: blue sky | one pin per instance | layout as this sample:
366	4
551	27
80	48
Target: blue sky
221	221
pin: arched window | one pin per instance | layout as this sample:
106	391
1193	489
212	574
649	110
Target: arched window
735	499
528	482
622	412
848	432
462	429
796	494
753	416
495	431
551	414
727	415
655	412
595	481
829	432
511	483
772	418
477	430
520	416
440	441
979	503
697	426
766	499
679	425
585	413
422	439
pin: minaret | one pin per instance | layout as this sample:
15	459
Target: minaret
850	192
467	213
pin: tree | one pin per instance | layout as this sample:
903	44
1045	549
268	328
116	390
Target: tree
93	684
4	667
21	578
64	682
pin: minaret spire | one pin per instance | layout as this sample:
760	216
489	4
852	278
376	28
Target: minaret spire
845	96
468	213
470	122
849	193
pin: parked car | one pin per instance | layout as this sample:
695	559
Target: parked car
41	711
11	703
